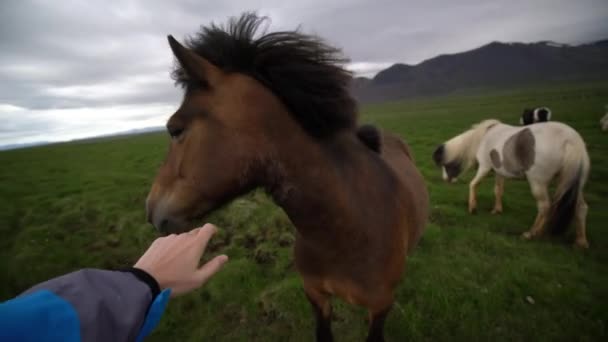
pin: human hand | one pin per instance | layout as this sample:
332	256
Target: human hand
174	260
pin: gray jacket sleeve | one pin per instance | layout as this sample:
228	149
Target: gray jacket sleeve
111	305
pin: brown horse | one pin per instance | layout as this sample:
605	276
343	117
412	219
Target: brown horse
274	111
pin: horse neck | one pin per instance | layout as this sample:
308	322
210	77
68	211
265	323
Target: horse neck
305	180
468	145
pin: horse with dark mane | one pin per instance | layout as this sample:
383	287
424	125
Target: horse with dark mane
273	110
531	116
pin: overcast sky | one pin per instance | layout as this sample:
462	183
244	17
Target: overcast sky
72	69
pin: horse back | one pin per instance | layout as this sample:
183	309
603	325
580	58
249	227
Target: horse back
414	201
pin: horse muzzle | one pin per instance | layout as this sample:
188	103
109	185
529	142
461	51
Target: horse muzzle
159	215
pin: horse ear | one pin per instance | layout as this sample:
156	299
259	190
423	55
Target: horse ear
194	65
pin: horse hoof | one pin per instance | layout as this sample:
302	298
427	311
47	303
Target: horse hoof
496	211
472	211
526	236
581	244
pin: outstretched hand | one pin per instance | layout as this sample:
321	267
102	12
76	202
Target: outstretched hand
174	260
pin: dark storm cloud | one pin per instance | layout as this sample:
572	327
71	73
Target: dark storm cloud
58	57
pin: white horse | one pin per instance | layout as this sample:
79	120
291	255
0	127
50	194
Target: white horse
540	153
604	122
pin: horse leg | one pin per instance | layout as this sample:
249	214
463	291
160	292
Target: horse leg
581	223
322	311
499	188
482	171
376	326
543	203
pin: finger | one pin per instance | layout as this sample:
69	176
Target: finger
156	242
203	236
194	231
207	271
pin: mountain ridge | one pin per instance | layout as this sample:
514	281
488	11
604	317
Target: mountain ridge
495	64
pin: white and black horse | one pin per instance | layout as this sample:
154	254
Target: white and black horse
539	153
534	115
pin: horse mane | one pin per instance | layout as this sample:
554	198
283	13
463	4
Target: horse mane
303	71
463	147
370	136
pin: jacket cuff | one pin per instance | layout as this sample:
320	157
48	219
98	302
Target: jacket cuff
155	312
146	278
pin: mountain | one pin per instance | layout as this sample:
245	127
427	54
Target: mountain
119	134
23	145
493	65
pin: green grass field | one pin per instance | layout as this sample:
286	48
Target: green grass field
75	205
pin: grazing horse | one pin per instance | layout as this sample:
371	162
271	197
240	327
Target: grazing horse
539	153
273	110
604	121
530	116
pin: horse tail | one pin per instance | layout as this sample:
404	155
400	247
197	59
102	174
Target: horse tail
572	178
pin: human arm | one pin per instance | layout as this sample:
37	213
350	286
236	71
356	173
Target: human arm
100	305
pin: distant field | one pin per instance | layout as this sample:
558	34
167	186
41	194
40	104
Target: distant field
68	206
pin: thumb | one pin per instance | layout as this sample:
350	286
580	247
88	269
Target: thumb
207	271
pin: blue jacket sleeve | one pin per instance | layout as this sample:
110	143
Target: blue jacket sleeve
87	305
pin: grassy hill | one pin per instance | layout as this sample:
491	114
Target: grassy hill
68	206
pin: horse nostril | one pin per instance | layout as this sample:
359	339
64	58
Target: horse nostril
163	225
149	207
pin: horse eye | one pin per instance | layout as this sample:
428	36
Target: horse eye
175	132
